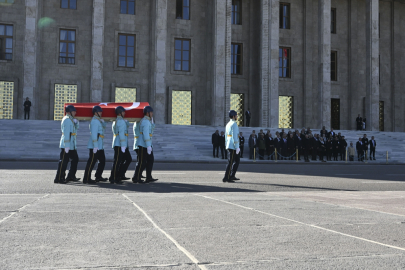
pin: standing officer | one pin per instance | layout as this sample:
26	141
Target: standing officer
242	144
96	147
232	145
145	151
120	145
136	129
69	127
373	145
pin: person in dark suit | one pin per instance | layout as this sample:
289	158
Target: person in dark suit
283	146
241	144
359	122
373	145
332	133
291	147
248	115
342	148
322	149
262	146
329	149
269	145
27	108
306	146
277	144
335	150
365	145
298	144
215	143
360	149
222	140
252	145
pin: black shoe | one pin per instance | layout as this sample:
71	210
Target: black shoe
73	179
89	182
233	178
63	181
148	180
230	180
119	182
124	178
55	181
101	179
143	176
135	181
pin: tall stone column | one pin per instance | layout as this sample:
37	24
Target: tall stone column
30	53
372	65
158	93
269	50
221	96
324	35
96	83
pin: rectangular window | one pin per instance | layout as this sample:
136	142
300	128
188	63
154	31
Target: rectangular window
6	99
236	11
236	60
284	16
126	50
333	21
69	4
183	9
284	62
67	46
127	7
125	94
182	54
6	42
64	93
333	66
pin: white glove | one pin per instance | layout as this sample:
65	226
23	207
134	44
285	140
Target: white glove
237	151
149	150
75	120
95	149
67	150
123	149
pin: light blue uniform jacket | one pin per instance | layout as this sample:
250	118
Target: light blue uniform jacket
146	129
69	131
97	130
120	131
137	131
232	135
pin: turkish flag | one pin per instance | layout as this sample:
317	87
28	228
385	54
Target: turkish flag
133	111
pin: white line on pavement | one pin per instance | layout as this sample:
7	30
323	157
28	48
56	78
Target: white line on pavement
347	174
22	208
302	223
168	173
182	249
382	182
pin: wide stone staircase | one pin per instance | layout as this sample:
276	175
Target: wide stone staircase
38	140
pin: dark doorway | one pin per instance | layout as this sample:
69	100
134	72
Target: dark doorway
335	113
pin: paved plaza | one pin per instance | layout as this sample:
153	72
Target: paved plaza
277	217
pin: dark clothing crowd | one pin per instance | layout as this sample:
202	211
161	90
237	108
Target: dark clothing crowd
292	145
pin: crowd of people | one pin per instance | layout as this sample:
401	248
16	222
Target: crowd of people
292	145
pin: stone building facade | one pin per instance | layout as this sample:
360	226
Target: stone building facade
294	63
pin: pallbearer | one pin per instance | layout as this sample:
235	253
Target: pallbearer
67	145
96	147
122	156
232	145
145	151
136	129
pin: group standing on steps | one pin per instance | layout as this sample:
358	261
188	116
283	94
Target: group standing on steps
143	133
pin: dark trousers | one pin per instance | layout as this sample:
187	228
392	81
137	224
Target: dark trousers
261	153
247	122
306	154
215	147
120	164
223	150
91	162
145	161
63	162
251	152
27	115
360	155
242	147
372	152
233	164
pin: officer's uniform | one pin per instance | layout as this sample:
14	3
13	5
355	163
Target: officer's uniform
96	140
68	140
121	160
127	157
144	140
232	143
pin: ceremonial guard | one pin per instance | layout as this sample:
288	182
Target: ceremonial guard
122	156
96	147
232	145
144	144
69	127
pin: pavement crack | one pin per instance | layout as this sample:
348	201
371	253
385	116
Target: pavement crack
22	208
